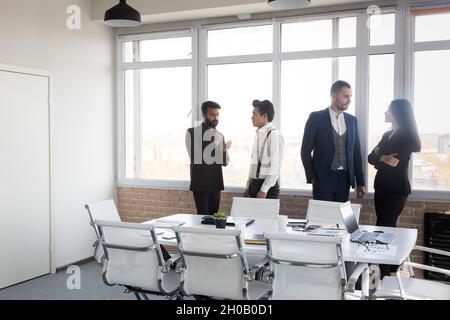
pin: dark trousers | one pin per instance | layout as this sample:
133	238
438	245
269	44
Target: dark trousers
207	203
336	187
388	208
255	187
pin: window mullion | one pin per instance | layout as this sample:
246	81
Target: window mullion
408	54
137	113
335	60
399	67
362	78
195	74
202	74
276	76
137	124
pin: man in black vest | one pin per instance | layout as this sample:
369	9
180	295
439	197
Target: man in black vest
208	152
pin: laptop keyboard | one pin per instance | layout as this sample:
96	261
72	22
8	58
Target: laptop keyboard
363	237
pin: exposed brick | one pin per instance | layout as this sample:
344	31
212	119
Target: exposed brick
408	212
415	204
440	206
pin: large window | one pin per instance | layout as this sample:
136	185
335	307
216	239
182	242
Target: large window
306	81
305	88
157	79
244	82
431	167
292	62
380	80
244	75
381	93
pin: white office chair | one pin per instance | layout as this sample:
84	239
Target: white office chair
309	267
134	259
103	210
255	208
258	209
215	264
415	289
324	213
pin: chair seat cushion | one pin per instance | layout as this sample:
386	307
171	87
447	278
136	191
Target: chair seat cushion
170	281
416	289
257	289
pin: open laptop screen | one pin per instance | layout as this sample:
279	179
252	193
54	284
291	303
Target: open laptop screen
349	218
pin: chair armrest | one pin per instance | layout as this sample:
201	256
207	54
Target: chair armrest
360	267
432	250
256	270
425	267
174	260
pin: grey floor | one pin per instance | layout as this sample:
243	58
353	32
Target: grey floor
54	287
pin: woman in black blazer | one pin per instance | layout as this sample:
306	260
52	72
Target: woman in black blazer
391	159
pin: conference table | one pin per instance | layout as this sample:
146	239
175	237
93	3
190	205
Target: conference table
396	252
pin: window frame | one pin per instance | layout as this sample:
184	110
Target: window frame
411	47
137	181
403	50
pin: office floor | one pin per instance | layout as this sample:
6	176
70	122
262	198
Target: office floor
54	287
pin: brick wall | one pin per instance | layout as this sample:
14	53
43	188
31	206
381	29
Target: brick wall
142	204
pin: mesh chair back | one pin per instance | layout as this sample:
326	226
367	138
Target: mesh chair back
103	210
255	208
306	267
215	264
133	255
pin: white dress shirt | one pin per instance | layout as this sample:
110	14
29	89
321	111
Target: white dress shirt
338	122
272	156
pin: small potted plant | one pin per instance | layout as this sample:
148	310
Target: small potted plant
220	218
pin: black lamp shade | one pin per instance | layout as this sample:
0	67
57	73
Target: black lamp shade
122	15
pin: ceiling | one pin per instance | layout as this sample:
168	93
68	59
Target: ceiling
154	11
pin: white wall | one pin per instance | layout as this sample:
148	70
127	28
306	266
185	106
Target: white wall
33	33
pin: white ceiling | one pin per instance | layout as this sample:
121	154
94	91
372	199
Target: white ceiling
154	11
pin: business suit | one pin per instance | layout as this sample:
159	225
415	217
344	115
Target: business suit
206	174
391	184
318	138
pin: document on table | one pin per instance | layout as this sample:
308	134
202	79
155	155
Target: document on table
380	249
163	223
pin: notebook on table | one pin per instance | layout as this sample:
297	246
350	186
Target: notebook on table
256	238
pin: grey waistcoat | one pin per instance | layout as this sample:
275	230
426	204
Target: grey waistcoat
340	151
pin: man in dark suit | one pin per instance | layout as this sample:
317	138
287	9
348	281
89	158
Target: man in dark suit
208	153
331	135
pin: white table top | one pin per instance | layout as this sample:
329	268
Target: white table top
396	252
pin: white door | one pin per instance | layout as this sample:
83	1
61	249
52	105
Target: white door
24	177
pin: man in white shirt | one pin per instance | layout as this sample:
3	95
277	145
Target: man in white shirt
267	154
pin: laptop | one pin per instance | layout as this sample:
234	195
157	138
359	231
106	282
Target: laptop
358	235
